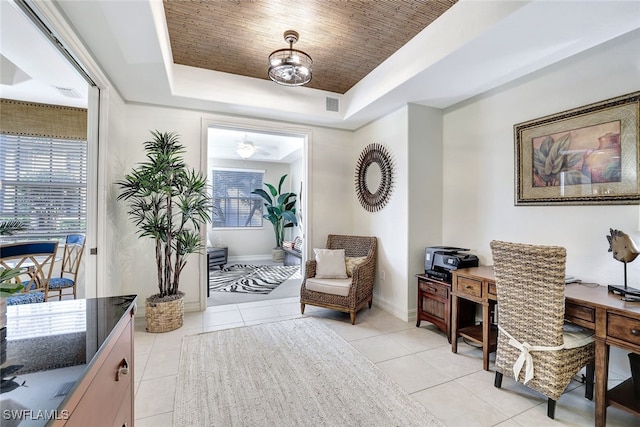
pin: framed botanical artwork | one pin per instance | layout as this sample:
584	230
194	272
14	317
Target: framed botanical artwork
588	155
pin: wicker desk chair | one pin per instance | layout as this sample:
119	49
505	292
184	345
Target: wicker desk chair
35	260
360	291
530	287
73	250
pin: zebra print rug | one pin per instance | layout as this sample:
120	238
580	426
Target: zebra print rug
250	279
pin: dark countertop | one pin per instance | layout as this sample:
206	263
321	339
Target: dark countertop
49	347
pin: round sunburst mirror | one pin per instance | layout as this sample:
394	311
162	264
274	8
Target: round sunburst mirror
374	177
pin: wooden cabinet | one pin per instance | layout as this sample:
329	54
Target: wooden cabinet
105	393
434	304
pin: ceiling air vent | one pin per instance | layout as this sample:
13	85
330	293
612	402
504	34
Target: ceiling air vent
68	92
333	104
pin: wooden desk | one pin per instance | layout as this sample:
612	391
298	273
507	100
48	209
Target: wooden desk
615	322
475	284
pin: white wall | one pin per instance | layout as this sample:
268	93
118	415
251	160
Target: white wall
412	219
478	169
133	259
296	177
479	165
113	237
330	195
390	224
424	193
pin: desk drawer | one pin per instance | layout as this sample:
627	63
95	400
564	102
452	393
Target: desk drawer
492	290
433	289
579	312
624	328
470	287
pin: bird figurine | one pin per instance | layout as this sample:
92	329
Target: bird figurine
623	247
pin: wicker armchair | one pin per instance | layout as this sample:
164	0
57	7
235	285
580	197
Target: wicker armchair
530	287
360	290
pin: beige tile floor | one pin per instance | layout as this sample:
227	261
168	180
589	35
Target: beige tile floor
452	386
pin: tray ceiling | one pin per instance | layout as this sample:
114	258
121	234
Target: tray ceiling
345	39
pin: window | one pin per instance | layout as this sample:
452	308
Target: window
233	203
43	184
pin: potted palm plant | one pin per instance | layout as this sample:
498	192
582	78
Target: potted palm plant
281	212
168	203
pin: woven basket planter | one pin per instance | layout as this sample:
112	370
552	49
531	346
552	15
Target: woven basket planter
164	316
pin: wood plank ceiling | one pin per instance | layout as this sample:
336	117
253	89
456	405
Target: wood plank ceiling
346	39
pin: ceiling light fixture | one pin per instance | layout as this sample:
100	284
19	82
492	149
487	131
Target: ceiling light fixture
290	67
245	150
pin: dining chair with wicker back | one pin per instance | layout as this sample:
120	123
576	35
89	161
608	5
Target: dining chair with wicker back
341	277
536	346
35	260
73	250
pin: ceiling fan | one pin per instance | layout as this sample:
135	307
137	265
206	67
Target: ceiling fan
246	148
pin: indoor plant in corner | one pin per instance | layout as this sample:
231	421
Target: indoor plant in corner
168	203
281	212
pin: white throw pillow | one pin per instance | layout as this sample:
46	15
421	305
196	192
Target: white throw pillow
330	264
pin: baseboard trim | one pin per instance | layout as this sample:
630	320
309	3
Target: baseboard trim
400	313
242	259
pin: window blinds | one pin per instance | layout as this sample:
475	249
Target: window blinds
233	203
43	184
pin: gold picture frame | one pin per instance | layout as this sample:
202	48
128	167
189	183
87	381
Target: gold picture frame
585	156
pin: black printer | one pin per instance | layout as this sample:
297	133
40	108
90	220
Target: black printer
439	261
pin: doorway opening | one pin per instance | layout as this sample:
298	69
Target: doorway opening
241	159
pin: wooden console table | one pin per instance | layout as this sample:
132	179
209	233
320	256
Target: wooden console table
614	321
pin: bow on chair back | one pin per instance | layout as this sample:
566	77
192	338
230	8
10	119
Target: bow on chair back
73	250
535	346
35	260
